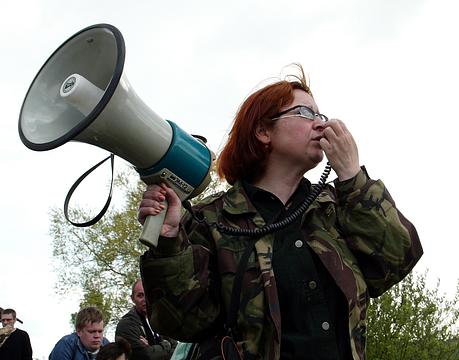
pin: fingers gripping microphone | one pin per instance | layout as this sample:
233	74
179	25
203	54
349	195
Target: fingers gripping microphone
81	94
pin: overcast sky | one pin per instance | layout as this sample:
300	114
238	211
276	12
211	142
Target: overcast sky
387	68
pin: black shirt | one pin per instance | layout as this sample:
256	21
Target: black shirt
314	313
16	347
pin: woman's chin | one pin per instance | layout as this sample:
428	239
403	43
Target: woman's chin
317	158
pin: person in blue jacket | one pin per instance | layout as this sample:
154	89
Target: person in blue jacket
86	341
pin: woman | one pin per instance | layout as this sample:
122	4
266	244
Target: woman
306	287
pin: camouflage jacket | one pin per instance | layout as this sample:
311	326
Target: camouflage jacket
362	239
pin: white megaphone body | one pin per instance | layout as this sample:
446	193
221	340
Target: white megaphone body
81	94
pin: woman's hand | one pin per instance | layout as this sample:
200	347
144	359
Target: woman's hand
153	203
340	148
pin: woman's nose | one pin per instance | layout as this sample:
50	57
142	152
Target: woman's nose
318	124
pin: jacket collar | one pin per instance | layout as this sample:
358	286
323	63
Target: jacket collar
81	348
237	202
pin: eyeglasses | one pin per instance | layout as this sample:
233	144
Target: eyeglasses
301	111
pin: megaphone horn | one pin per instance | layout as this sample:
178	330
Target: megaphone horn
81	94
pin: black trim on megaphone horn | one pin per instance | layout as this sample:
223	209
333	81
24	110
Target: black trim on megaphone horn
108	92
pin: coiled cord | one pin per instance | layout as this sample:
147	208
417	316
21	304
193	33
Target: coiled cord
270	228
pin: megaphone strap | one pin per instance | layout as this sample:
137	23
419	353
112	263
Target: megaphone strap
75	185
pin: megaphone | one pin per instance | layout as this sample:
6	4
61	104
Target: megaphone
81	94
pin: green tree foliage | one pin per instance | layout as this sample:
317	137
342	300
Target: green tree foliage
101	261
413	322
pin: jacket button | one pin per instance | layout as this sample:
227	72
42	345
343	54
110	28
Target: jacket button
312	285
325	326
298	243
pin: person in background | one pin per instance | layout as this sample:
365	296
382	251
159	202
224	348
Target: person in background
134	326
118	350
85	342
307	285
14	342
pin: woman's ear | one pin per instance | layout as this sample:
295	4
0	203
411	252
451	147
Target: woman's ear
263	134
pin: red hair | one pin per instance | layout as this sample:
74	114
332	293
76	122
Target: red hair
244	156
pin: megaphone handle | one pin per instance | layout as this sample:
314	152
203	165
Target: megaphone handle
152	228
